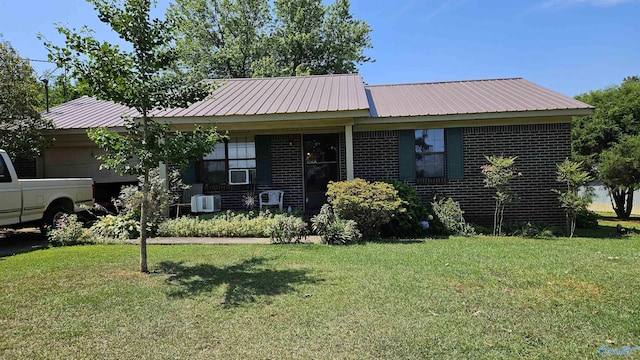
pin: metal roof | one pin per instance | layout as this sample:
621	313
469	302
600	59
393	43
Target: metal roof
341	95
87	112
284	95
465	97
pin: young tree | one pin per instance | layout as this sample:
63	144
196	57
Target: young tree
136	79
497	175
571	173
619	171
616	116
21	126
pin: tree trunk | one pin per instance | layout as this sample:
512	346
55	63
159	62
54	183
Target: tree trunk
144	211
495	218
627	213
622	201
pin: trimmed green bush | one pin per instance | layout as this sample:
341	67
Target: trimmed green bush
333	230
586	219
408	223
370	205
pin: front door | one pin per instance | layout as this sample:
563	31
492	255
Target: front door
320	166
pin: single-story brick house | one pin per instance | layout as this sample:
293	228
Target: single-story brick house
296	134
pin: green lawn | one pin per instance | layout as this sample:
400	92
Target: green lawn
457	298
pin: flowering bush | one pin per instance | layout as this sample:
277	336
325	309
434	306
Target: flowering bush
69	231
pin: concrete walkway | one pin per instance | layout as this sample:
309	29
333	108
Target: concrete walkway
216	240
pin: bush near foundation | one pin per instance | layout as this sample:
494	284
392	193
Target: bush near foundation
370	205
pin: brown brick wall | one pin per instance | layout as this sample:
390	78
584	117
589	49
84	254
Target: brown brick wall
375	155
538	147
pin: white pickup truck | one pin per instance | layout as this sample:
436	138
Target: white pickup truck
40	202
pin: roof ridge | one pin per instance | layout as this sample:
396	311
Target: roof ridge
285	77
446	82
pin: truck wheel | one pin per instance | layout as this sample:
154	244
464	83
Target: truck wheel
52	216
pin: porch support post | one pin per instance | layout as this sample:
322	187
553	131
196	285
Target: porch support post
163	171
348	137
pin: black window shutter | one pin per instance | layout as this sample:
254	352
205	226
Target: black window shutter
407	154
455	153
263	159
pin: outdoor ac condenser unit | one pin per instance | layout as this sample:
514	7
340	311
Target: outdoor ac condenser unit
205	203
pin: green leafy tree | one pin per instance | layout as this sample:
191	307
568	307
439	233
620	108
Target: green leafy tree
572	200
21	126
136	79
619	171
616	116
221	38
249	38
498	175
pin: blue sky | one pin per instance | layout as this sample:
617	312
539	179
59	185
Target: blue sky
570	46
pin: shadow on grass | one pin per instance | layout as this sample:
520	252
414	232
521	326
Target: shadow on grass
245	280
17	242
604	232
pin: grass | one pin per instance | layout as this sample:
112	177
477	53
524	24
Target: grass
457	298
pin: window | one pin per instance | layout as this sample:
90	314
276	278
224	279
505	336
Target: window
4	172
240	154
430	153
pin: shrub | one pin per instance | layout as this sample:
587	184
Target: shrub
121	227
497	175
130	199
586	219
225	224
532	230
370	205
408	223
70	231
449	214
572	200
333	230
287	229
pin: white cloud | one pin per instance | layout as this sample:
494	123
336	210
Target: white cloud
601	3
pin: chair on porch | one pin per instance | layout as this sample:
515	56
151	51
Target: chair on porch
271	198
185	201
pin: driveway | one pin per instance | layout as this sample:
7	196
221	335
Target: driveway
18	241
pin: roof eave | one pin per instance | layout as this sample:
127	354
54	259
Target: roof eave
476	116
344	114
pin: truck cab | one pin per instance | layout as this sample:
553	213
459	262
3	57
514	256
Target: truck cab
39	201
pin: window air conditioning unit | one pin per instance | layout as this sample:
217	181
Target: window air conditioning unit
238	176
205	203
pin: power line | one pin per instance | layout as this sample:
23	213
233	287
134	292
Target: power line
44	61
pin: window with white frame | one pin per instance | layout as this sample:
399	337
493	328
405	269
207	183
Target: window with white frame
430	153
240	153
